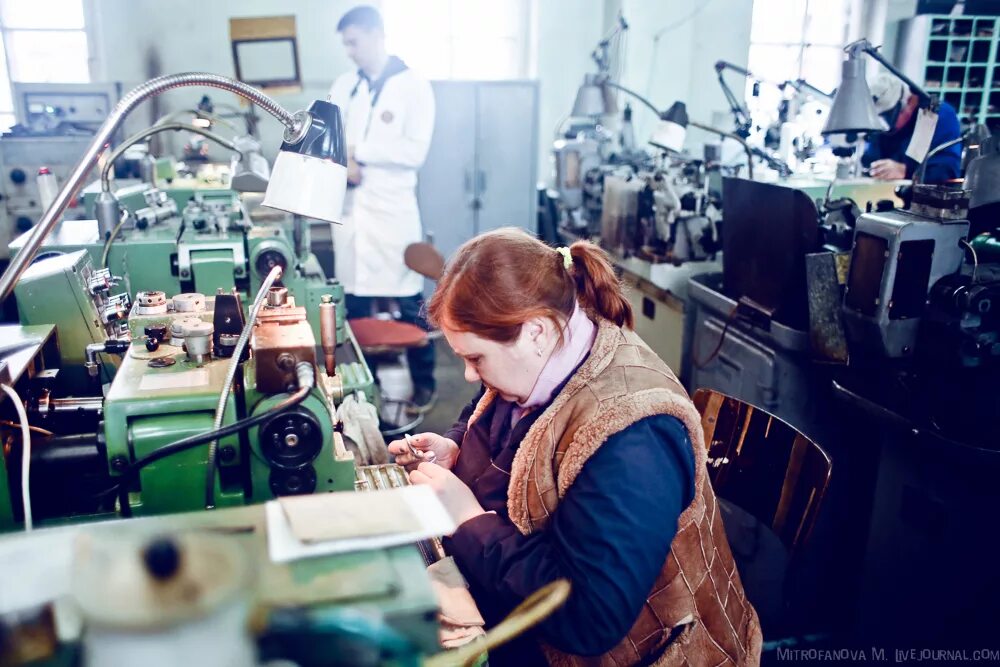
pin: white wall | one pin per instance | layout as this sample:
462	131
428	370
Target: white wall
568	30
679	64
134	40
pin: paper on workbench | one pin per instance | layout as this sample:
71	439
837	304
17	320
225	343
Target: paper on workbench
332	523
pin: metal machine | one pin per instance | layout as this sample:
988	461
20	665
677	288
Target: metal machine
190	239
897	257
170	359
56	123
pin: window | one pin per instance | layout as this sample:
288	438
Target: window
460	39
41	42
791	40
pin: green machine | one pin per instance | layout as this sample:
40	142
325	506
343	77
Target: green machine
127	385
97	457
193	239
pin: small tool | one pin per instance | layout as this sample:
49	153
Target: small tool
429	457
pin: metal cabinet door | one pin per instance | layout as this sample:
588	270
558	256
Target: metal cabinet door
446	183
506	140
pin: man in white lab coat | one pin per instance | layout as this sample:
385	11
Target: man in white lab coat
389	119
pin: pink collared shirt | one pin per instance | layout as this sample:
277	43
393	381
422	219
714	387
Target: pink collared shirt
578	338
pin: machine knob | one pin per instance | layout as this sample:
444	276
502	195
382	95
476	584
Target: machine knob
157	331
162	558
24	223
17	176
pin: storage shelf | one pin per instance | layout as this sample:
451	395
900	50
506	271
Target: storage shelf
961	69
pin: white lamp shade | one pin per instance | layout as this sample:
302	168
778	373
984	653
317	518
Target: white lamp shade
307	186
669	136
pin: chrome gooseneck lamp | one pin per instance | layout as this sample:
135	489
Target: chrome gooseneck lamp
309	177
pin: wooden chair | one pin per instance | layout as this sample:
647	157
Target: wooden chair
770	481
764	466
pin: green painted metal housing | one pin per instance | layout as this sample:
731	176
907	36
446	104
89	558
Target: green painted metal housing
57	292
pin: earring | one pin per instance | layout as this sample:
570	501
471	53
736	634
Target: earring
539	351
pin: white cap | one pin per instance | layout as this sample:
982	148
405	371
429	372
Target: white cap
887	91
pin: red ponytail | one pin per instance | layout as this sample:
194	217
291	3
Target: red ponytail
499	280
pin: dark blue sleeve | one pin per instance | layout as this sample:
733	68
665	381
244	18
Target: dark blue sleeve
609	536
948	163
461	425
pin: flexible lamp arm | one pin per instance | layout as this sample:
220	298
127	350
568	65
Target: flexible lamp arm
692	123
800	85
156	129
864	46
740	114
296	127
627	91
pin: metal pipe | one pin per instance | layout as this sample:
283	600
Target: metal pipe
918	177
85	404
197	113
730	135
77	451
328	332
293	124
150	131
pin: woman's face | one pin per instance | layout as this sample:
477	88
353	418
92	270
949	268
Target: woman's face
509	368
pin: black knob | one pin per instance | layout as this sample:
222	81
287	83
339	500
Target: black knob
162	558
158	331
18	176
152	343
23	223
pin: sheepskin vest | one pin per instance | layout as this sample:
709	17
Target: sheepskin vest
696	612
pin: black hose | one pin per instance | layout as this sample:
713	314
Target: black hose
201	438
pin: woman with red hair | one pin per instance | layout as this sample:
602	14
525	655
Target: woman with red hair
582	458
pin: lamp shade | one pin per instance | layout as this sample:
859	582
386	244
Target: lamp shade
593	98
309	177
852	110
671	130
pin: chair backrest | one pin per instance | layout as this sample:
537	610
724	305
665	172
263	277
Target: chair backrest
424	259
764	466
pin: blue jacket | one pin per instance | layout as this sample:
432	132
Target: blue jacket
892	146
609	536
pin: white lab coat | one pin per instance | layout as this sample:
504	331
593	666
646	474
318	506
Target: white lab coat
381	217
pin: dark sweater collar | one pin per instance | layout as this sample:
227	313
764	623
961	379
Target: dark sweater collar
393	66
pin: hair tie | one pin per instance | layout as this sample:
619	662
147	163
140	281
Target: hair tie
567	257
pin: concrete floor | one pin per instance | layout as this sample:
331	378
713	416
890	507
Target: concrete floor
453	391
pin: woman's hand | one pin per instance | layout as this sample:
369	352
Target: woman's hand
443	448
456	497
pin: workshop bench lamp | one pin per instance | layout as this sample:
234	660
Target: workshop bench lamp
853	110
309	177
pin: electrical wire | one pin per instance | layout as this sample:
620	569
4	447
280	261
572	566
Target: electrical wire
975	259
664	30
22	415
34	429
111	239
201	438
234	365
718	346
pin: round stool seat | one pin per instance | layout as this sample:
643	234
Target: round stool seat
375	335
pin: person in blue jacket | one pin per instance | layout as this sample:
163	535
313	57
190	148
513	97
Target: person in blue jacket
885	154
